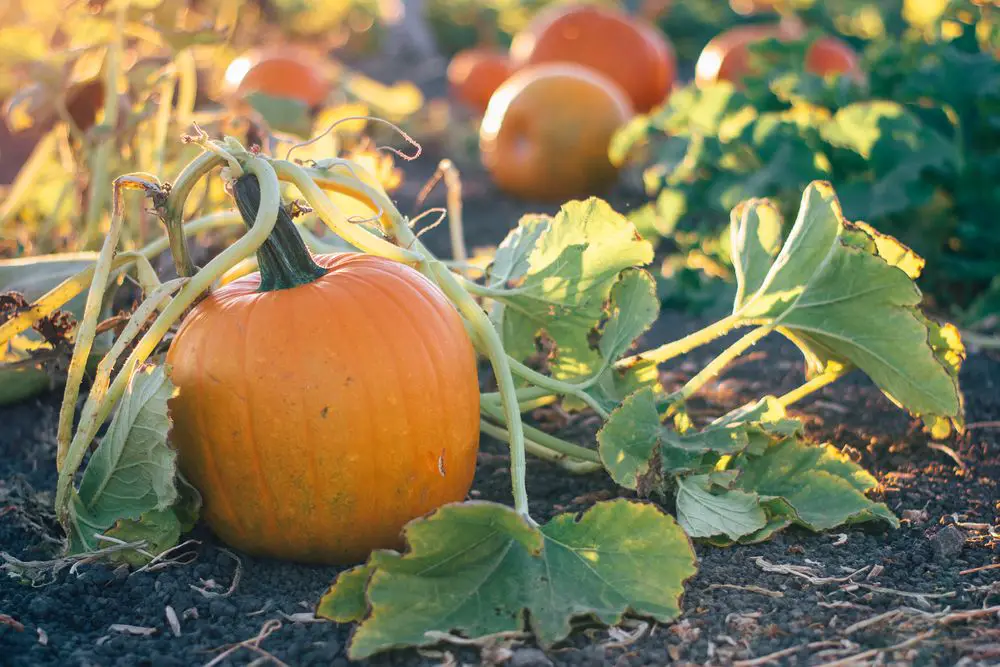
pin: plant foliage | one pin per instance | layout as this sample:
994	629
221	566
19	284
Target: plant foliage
909	151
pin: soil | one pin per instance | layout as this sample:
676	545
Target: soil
737	608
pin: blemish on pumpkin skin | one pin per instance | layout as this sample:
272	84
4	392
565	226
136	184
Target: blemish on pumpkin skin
441	468
325	411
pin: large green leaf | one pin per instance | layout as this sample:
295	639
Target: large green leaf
562	286
847	298
480	569
822	487
133	470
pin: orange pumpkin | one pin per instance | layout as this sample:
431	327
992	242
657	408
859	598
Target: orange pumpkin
473	75
627	50
320	414
727	56
289	74
546	132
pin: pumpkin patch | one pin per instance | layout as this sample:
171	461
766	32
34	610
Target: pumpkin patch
381	355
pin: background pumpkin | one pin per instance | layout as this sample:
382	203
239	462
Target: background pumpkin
625	49
317	419
474	74
546	132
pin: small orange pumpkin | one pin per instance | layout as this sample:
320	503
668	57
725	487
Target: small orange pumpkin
320	414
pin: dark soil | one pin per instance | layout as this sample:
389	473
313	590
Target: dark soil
734	610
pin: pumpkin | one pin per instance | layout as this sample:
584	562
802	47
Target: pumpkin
323	402
474	74
727	56
546	132
625	49
287	74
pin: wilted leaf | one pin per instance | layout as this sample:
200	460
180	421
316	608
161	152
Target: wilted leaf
345	601
480	569
132	472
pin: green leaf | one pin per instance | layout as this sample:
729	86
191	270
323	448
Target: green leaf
632	311
630	438
732	513
842	303
573	264
511	261
345	601
822	487
480	569
756	238
133	470
636	448
884	133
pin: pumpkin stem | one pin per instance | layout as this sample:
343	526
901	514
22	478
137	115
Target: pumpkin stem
284	260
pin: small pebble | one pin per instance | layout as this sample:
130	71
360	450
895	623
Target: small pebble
948	543
529	657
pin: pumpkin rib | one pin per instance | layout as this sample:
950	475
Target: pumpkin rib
372	430
212	463
308	437
443	312
427	358
407	394
271	512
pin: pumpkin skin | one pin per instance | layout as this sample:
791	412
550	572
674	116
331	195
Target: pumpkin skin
290	74
546	131
727	56
316	421
474	75
627	50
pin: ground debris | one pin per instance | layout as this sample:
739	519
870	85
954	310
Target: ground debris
948	542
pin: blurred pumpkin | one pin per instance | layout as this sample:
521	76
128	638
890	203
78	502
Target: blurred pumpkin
279	73
546	132
727	56
625	49
473	75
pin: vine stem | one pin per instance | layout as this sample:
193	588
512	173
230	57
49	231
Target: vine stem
542	452
558	386
89	424
356	235
718	363
87	328
102	154
61	294
684	345
267	215
806	388
413	251
547	440
244	247
173	213
453	186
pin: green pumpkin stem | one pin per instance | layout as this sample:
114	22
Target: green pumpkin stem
284	260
